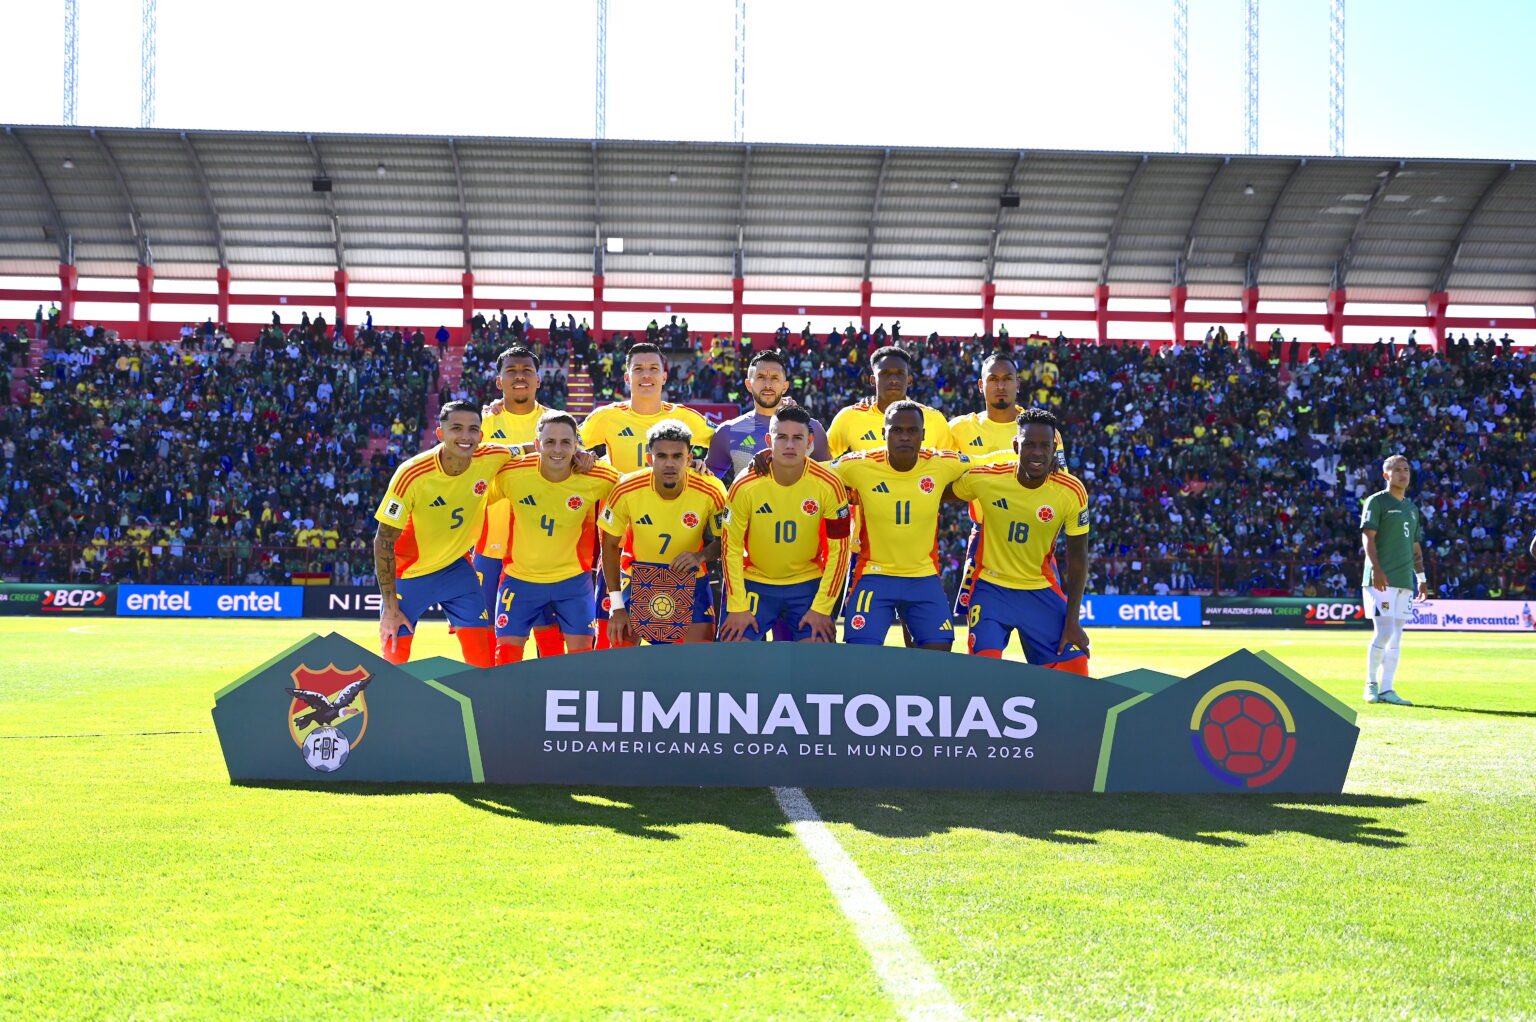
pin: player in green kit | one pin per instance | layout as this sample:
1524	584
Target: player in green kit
1394	575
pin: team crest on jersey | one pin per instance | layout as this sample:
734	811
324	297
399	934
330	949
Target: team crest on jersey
1045	514
857	622
607	604
574	502
481	487
810	507
690	520
926	484
327	714
501	620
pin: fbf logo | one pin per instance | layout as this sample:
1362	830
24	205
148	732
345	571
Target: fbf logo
328	714
1243	733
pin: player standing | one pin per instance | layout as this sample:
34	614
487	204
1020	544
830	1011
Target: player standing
859	427
548	563
772	556
673	516
899	491
739	440
512	420
1392	534
1024	503
426	531
620	428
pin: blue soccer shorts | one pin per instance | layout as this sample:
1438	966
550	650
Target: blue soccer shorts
963	597
456	587
489	570
876	600
778	609
1037	614
523	606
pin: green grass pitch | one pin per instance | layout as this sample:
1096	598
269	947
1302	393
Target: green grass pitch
138	883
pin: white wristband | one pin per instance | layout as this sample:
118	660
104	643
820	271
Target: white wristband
1420	577
615	599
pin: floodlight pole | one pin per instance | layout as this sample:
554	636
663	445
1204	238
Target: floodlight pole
601	129
1181	76
147	71
741	71
1251	79
1336	78
71	60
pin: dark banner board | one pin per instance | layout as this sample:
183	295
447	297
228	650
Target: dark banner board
57	598
828	715
352	602
1281	612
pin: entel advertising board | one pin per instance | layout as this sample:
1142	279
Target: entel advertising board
210	601
1140	612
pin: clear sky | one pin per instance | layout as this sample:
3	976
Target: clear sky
1424	78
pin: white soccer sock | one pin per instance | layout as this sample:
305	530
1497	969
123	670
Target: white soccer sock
1376	649
1390	654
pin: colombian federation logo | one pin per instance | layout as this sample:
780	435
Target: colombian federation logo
926	484
663	606
1243	733
811	508
328	714
1045	514
574	502
501	620
481	487
690	520
857	622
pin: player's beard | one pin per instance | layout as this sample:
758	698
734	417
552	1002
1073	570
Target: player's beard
761	403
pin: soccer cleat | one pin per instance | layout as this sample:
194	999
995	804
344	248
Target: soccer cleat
1392	697
1370	694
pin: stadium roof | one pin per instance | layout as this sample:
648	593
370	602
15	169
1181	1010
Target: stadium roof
423	210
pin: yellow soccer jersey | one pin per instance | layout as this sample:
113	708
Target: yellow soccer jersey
899	511
861	427
977	435
1019	524
623	430
505	428
552	529
773	535
664	528
439	513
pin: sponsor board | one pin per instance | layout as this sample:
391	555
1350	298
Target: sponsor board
1140	612
209	601
353	602
57	598
1474	616
787	714
1281	612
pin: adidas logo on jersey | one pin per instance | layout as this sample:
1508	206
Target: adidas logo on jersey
977	443
765	510
869	436
439	502
500	434
1001	502
626	431
644	520
749	443
882	488
529	501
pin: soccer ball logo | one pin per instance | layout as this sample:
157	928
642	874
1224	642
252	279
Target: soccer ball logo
1243	733
501	620
574	503
810	507
607	604
857	622
481	487
690	520
326	749
1045	514
926	484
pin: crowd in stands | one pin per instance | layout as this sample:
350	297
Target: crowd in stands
1210	465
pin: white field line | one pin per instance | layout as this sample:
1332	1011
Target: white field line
908	978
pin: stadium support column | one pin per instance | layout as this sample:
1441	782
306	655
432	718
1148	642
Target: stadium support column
146	287
597	307
1336	300
68	279
1438	303
468	281
866	300
988	307
341	298
1101	312
738	290
1176	300
1251	316
221	276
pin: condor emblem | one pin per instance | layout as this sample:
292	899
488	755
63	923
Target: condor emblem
328	714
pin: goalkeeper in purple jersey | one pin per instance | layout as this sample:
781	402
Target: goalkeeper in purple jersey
738	441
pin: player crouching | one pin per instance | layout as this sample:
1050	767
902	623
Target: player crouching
672	515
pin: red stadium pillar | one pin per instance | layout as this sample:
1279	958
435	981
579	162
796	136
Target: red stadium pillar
738	289
597	306
1438	302
1101	312
866	299
341	297
1176	301
146	287
468	280
988	302
1336	300
221	275
1251	316
68	278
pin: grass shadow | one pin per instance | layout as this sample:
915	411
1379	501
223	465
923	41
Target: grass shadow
1478	710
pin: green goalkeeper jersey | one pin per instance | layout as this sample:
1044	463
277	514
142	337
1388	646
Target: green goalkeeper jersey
1397	529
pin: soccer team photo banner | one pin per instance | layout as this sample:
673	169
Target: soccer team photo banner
329	711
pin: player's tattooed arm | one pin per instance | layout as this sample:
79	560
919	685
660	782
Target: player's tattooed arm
391	618
1072	633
